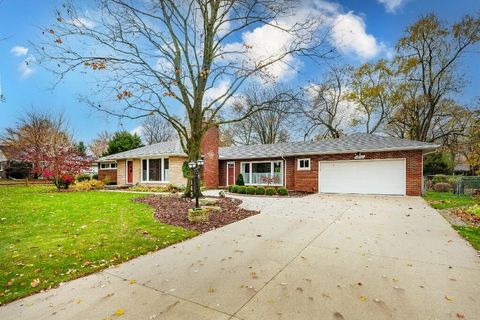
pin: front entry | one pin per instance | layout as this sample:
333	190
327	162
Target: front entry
129	172
230	173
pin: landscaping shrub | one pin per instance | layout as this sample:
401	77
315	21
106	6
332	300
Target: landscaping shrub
240	181
88	185
95	176
241	189
282	191
250	190
230	187
83	177
270	191
440	178
260	191
234	188
442	187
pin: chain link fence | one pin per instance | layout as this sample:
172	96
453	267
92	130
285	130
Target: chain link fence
457	184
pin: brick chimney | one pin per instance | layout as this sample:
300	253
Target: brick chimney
210	154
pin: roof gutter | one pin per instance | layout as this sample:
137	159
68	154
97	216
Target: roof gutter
429	149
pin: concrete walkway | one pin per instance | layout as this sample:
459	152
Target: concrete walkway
317	257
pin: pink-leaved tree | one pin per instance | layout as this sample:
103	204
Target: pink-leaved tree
58	160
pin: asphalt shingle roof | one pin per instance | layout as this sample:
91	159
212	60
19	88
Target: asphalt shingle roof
360	142
351	143
168	148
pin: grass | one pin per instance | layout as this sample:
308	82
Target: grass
48	237
447	200
471	234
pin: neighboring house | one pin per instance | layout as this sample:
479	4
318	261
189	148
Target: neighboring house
3	164
358	163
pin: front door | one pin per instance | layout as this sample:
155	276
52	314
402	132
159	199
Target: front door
230	173
129	172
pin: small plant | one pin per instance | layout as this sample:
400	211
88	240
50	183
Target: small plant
439	178
83	177
260	191
270	191
442	187
230	187
234	188
95	176
250	190
240	181
198	215
221	194
241	189
88	185
282	191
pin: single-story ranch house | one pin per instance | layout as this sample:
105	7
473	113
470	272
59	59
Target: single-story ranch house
358	163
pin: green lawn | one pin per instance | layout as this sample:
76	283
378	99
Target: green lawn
48	237
471	234
447	200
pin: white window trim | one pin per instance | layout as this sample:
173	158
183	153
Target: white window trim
271	172
109	166
305	168
148	171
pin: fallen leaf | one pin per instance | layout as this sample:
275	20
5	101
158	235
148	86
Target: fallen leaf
460	316
338	315
120	312
449	298
211	290
36	270
78	301
87	263
35	283
133	281
363	298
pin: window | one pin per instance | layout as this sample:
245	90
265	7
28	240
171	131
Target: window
155	170
262	172
108	166
303	164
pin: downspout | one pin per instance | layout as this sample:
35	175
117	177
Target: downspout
284	172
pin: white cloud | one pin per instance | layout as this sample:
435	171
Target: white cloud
83	22
19	51
26	67
392	5
220	88
349	36
137	130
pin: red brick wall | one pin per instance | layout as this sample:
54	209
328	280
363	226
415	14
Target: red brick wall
110	175
308	180
210	152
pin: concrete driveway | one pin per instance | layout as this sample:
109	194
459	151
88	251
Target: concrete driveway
317	257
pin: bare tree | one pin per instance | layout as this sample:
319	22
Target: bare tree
99	145
326	110
159	56
427	61
156	129
269	125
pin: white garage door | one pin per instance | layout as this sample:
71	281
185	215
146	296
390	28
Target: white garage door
363	176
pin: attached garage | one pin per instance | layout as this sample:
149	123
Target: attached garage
353	164
379	176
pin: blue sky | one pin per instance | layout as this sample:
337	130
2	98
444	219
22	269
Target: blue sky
381	23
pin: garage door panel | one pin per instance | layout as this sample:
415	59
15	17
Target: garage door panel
363	176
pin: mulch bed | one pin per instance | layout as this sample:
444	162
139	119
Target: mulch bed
174	211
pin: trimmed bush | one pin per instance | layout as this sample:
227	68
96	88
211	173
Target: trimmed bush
230	187
83	177
442	187
241	189
260	191
240	181
250	190
440	178
282	191
270	191
234	188
95	176
88	185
